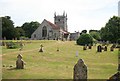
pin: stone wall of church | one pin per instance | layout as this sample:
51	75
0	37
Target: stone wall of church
49	34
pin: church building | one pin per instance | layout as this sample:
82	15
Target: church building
50	31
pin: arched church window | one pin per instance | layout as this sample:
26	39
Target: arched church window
44	31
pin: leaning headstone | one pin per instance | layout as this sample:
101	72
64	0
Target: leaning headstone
99	48
41	48
80	71
105	48
19	63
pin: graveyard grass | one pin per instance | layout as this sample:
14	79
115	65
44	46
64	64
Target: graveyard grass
57	65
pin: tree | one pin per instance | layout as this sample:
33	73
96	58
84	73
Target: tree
84	31
111	31
20	32
29	28
8	28
95	35
85	39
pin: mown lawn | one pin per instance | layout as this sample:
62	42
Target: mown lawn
57	65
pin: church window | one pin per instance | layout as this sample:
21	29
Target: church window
44	31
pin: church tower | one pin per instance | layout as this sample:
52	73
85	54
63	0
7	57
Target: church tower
61	21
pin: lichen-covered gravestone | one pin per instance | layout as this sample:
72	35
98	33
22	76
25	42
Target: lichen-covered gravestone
80	71
19	63
99	48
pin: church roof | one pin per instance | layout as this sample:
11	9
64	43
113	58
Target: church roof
54	26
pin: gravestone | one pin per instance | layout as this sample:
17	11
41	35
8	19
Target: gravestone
99	48
85	47
105	48
76	53
80	71
111	48
89	47
41	48
19	63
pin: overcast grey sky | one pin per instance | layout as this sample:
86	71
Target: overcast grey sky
82	14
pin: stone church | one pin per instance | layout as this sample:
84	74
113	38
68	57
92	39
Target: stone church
50	31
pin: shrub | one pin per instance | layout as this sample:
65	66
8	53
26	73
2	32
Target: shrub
85	39
12	45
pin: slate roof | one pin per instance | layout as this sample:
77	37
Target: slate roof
54	26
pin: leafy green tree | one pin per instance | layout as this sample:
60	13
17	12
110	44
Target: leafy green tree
29	28
84	39
20	32
95	35
8	28
111	31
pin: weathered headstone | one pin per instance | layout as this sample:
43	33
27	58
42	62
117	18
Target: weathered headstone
19	63
111	48
80	71
85	47
89	47
105	48
41	48
99	48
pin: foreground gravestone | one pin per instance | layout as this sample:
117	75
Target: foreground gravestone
99	48
41	48
80	71
19	63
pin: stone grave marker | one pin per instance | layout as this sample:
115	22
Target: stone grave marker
89	47
105	48
99	48
41	48
80	71
19	63
111	48
85	47
76	53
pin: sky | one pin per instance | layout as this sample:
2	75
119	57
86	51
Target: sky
82	14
